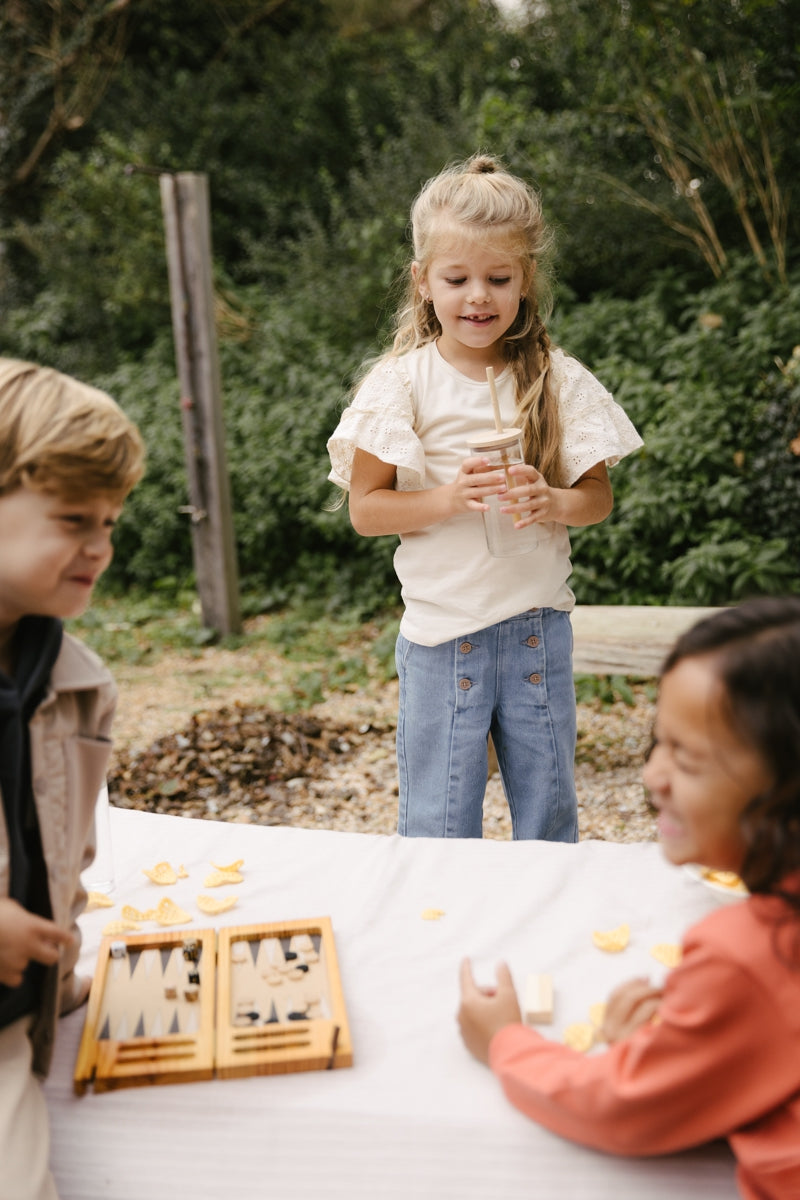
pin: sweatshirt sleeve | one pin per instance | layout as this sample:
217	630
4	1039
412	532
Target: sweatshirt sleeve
714	1060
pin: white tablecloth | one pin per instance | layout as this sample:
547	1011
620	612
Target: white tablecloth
415	1116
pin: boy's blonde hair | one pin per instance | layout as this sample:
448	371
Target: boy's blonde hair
478	200
63	436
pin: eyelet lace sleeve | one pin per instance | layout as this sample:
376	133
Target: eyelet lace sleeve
380	420
594	427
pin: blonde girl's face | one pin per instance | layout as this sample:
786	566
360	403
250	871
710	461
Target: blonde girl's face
700	775
475	292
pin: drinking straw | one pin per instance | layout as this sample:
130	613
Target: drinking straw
498	424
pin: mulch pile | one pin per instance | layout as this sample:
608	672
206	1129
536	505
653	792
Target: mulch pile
232	762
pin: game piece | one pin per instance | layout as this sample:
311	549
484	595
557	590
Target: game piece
667	953
538	1008
612	940
191	949
149	1021
118	949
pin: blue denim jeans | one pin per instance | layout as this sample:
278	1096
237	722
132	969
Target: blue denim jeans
513	680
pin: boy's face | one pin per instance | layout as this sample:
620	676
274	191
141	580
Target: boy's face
52	552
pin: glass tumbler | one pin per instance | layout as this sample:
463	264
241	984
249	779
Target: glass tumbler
503	449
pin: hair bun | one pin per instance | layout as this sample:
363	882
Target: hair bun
483	164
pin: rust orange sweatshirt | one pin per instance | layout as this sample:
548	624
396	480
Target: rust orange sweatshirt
722	1060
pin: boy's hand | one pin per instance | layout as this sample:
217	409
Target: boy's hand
630	1005
25	937
484	1011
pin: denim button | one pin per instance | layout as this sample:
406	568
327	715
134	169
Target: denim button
465	684
535	678
532	640
465	647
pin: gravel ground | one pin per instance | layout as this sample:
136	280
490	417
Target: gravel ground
334	767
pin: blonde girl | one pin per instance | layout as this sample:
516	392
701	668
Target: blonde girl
485	642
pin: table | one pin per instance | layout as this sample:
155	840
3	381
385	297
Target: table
415	1117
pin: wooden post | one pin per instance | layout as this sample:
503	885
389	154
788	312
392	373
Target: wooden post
184	202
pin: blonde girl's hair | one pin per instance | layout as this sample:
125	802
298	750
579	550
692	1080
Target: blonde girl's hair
62	436
479	200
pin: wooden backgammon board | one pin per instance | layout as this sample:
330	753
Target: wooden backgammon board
174	1007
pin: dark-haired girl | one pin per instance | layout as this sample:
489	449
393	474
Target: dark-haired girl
716	1052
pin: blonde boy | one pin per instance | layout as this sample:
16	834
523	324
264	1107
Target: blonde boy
68	458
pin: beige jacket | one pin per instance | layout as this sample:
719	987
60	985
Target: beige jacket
70	747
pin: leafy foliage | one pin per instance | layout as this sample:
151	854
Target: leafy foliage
316	122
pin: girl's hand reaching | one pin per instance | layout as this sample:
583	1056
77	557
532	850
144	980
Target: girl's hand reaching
630	1005
484	1011
25	937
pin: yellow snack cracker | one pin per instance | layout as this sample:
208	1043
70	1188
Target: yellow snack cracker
168	913
612	940
114	927
432	914
219	877
726	879
667	953
210	904
234	866
129	913
162	873
597	1014
579	1036
98	900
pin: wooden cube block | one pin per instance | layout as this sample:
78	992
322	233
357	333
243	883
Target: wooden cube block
538	1007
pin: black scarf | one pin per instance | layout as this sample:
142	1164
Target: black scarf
36	644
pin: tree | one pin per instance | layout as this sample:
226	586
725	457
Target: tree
56	62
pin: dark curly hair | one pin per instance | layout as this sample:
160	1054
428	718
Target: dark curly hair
756	646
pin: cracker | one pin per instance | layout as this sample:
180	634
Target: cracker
579	1036
219	877
612	940
129	913
209	904
115	927
98	900
432	914
597	1014
162	873
667	953
168	913
726	879
234	866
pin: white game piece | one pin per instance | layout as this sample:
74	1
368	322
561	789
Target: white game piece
538	1009
118	949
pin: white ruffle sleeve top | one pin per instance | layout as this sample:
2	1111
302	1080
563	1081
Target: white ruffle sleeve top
417	412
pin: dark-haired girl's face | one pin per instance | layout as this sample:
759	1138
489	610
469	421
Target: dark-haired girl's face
701	775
